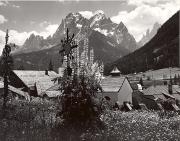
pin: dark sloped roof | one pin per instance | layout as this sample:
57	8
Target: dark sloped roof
112	84
29	77
42	81
156	90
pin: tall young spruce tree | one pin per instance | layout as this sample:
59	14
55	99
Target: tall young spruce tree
79	102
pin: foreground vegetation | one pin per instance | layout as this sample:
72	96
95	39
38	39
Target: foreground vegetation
38	121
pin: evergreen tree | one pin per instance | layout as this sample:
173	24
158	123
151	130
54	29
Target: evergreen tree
50	67
178	79
170	81
7	64
175	79
21	67
141	82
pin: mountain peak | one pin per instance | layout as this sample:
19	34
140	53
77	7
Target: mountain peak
121	24
122	27
156	26
97	18
73	15
99	12
32	35
149	34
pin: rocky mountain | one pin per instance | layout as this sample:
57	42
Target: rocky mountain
110	41
161	51
149	35
75	21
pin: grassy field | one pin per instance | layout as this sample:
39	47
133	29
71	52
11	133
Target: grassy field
158	74
38	122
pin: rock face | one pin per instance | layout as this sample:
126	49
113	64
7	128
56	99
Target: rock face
149	35
161	51
33	43
109	40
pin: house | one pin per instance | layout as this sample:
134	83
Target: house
115	72
161	95
141	101
14	92
116	90
33	82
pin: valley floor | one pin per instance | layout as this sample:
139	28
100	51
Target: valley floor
25	121
160	74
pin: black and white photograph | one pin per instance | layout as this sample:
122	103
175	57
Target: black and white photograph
89	70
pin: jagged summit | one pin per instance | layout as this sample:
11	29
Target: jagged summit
149	34
122	27
109	40
78	24
97	18
99	12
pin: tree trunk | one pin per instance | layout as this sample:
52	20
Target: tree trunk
5	90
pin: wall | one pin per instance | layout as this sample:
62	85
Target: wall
112	95
125	93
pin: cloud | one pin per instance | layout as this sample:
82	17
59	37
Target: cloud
3	3
2	19
49	30
7	3
145	15
32	22
2	35
89	14
19	37
15	6
86	14
44	23
150	2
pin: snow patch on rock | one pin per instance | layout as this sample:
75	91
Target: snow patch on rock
102	31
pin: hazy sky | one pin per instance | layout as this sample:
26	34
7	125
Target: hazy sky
43	17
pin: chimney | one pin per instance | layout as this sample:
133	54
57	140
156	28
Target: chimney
46	72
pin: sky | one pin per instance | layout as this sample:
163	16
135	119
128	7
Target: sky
23	18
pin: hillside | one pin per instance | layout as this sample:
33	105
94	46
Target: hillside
160	52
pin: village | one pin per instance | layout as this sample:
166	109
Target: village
89	70
123	92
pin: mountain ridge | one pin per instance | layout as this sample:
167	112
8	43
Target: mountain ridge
161	51
107	47
99	22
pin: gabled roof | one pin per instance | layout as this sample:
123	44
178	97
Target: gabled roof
159	89
53	91
30	77
115	70
42	81
112	84
52	94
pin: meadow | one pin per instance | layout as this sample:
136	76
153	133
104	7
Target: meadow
34	121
